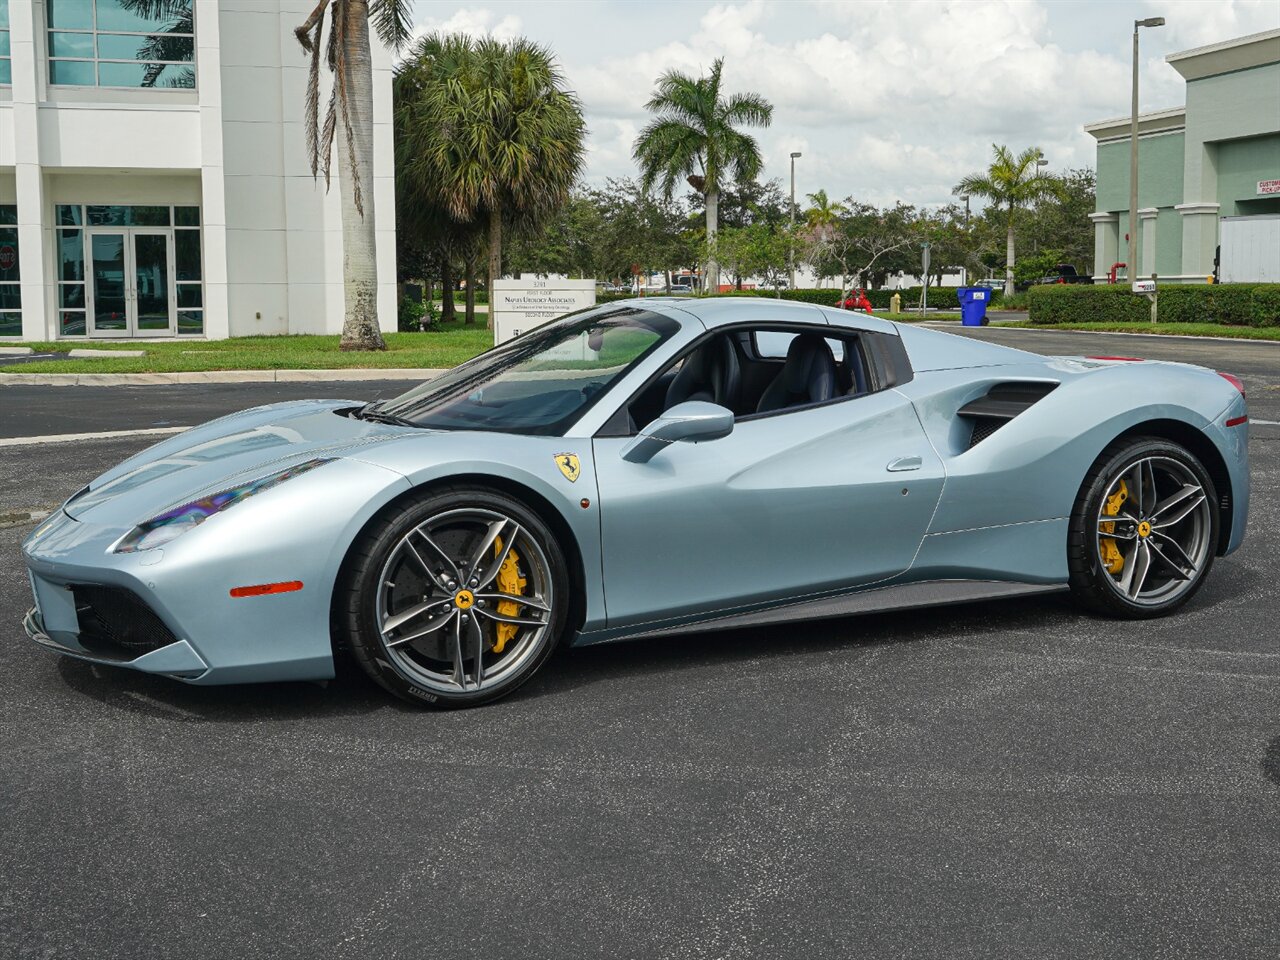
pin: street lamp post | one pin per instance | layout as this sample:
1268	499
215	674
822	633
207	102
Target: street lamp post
791	244
1132	266
965	198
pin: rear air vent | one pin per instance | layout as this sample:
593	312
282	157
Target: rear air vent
1000	404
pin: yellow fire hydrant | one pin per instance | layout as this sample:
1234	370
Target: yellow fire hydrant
895	303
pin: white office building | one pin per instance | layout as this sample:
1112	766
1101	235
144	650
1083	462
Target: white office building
154	180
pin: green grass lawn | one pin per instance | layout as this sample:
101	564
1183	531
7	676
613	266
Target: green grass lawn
1166	329
448	347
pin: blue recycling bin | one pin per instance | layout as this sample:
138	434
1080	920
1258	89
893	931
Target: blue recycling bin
973	305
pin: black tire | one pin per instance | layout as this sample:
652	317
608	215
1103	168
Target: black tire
1094	586
356	602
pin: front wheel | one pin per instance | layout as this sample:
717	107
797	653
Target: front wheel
1143	531
454	599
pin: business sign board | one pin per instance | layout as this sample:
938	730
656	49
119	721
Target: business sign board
517	306
1267	187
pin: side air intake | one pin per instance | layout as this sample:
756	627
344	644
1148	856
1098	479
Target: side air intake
1000	404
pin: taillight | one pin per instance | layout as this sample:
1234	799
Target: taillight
1234	381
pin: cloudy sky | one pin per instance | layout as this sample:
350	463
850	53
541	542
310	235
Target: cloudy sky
886	100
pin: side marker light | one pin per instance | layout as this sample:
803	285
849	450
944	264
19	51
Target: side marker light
262	589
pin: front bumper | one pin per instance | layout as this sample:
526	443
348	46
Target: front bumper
178	660
174	614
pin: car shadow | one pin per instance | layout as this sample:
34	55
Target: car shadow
351	693
579	667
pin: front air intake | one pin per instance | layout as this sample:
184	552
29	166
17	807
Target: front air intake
116	622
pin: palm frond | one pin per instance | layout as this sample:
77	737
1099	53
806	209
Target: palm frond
308	35
392	21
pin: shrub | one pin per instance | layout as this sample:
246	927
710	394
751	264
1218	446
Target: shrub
415	317
1078	303
1236	304
1207	303
1265	308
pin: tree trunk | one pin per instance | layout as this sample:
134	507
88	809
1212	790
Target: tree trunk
711	281
448	312
471	291
1008	254
359	235
495	255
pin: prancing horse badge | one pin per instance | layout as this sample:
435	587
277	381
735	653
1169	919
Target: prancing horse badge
569	465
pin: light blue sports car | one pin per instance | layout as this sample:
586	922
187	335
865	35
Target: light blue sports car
651	466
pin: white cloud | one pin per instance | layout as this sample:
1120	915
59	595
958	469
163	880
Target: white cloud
886	100
474	22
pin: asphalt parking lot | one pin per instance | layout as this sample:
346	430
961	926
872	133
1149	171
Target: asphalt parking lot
990	780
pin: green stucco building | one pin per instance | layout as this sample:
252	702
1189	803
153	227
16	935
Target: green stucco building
1208	173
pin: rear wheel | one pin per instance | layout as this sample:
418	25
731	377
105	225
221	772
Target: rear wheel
456	598
1143	531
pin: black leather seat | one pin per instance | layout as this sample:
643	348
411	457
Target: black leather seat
807	376
710	373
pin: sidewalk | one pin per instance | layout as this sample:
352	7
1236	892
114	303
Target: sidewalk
217	376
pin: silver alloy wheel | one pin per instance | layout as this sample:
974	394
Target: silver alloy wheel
1162	530
438	598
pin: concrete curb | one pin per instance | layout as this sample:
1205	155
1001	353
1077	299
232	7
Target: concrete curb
16	351
215	376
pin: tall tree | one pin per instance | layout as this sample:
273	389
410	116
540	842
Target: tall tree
825	212
694	134
350	61
1011	183
493	133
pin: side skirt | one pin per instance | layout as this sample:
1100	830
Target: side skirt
903	596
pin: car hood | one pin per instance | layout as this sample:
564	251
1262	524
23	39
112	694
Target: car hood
225	453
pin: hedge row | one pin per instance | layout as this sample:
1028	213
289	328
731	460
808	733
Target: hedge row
943	298
1237	304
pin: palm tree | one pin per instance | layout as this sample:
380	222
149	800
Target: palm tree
350	61
825	212
490	132
1010	182
694	135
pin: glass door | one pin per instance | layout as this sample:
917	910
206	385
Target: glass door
132	290
109	312
152	273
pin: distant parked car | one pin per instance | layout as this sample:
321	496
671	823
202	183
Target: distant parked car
1065	273
994	283
681	290
1062	273
779	284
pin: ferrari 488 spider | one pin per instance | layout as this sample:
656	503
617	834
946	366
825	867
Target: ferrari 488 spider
645	467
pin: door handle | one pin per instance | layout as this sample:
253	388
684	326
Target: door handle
904	463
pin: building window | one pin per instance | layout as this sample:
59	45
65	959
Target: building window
122	43
10	293
127	249
6	66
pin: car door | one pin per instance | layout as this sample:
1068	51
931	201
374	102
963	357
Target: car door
792	503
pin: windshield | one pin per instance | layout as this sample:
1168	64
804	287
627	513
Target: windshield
538	383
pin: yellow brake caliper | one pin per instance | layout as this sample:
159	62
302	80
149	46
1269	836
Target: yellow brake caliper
511	583
1112	558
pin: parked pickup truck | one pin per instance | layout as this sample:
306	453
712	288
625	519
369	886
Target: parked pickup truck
1065	273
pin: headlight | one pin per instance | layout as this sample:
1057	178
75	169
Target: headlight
172	524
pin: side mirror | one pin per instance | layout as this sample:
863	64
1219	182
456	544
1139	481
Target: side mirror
693	421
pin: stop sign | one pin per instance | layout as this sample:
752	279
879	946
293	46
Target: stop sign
8	257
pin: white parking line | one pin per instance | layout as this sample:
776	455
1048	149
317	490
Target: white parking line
105	435
1268	423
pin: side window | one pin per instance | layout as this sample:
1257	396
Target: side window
773	345
758	371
